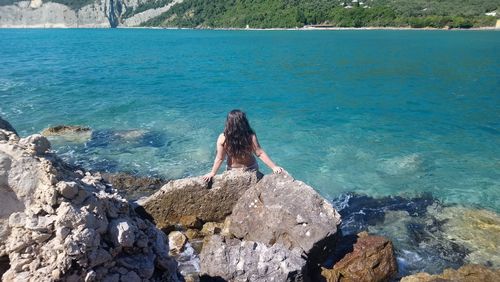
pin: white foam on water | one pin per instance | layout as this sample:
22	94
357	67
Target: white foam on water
7	84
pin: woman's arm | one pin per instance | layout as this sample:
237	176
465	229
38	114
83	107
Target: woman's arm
219	158
259	152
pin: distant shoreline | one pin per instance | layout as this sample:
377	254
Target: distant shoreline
489	28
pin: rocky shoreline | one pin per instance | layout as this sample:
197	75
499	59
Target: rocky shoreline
59	222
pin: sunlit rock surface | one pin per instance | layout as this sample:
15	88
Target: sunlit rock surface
59	223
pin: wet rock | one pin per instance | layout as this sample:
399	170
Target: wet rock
56	223
476	229
416	232
133	187
360	211
235	260
372	259
63	130
281	210
194	197
466	273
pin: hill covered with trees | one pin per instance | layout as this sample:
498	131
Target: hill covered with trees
336	13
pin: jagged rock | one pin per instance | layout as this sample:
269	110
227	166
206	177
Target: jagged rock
35	144
192	234
5	125
68	190
58	224
211	228
279	209
194	197
123	232
466	273
235	260
176	241
371	260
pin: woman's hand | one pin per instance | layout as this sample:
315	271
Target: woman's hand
277	169
207	177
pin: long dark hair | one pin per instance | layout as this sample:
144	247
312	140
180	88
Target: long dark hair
238	134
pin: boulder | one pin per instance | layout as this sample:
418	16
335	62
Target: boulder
466	273
57	223
371	260
236	260
282	210
197	198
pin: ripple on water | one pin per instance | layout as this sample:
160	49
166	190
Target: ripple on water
8	84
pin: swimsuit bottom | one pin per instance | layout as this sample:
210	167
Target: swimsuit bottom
254	166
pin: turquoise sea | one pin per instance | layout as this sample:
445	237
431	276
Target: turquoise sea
375	112
378	113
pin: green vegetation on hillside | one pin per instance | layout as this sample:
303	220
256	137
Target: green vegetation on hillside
297	13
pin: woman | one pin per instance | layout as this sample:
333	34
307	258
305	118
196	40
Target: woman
239	143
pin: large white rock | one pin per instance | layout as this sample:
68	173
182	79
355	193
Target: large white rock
280	209
58	224
235	260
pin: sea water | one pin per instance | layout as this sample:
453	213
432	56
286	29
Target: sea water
376	113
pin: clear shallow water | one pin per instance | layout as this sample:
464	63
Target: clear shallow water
373	112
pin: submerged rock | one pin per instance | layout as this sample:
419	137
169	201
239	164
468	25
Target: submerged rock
282	210
61	224
133	187
420	229
466	273
371	260
235	260
74	133
198	199
476	229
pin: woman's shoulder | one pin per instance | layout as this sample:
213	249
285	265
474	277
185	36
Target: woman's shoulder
221	138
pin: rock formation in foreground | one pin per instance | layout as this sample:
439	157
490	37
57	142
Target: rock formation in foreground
272	229
372	260
182	199
60	224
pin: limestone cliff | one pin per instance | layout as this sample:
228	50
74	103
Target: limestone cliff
84	14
